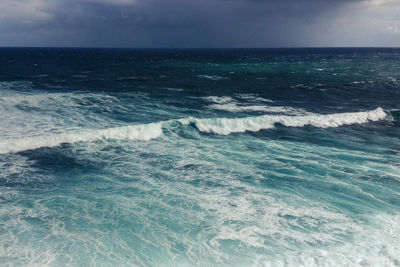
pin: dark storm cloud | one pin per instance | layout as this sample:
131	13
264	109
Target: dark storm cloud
200	23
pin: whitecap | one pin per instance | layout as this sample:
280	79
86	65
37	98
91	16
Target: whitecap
222	126
253	103
44	99
225	126
128	78
218	99
173	89
143	132
232	107
212	77
253	97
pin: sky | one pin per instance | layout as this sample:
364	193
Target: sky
199	23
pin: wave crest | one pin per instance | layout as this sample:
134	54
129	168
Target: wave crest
226	126
222	126
143	132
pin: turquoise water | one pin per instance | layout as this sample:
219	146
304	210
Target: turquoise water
199	157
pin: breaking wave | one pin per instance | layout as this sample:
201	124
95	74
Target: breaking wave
225	126
134	132
222	126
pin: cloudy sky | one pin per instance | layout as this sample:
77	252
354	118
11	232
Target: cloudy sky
199	23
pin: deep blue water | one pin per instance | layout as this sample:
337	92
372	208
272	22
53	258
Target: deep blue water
252	157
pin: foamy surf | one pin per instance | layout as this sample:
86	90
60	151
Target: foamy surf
222	126
233	107
251	103
142	132
96	183
225	126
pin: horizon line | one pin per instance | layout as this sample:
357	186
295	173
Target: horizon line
199	48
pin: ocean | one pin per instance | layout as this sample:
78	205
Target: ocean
199	157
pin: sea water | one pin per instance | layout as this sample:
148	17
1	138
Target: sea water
247	157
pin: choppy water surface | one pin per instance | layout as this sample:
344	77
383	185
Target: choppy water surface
200	157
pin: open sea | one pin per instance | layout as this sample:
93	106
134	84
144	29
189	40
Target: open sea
241	157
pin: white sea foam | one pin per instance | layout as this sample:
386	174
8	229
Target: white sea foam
133	132
212	77
225	126
371	246
249	98
253	97
173	89
283	226
232	107
66	99
253	103
219	99
222	126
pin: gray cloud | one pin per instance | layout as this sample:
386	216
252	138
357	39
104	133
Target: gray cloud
202	23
